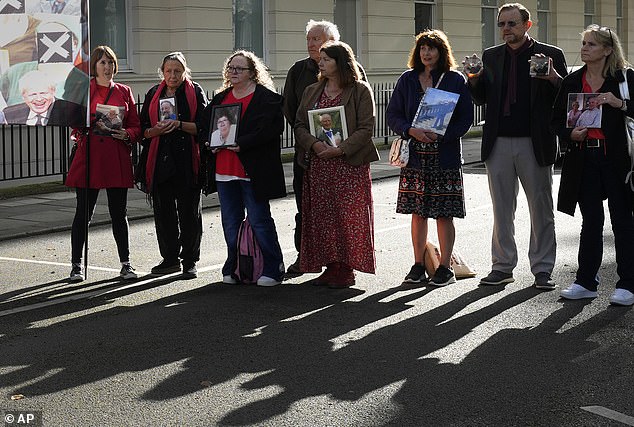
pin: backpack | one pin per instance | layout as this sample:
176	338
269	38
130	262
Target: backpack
250	260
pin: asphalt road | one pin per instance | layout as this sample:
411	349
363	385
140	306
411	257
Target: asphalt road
170	352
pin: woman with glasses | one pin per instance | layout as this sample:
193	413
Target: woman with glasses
173	163
248	174
596	164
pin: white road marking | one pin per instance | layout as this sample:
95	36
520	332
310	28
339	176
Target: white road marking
609	413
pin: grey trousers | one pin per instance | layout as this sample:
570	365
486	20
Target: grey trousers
512	161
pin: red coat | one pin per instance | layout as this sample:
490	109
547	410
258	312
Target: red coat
110	161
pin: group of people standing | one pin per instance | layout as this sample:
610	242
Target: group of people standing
335	221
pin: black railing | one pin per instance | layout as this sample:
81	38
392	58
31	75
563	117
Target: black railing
30	152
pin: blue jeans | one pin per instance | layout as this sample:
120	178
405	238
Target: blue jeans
599	181
234	197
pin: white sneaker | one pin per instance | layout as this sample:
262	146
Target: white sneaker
576	291
76	273
229	280
622	297
267	281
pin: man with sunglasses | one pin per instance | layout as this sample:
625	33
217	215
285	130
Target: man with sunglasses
517	143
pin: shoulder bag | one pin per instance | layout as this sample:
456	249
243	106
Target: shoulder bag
629	129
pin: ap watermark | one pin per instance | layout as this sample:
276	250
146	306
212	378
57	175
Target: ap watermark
23	418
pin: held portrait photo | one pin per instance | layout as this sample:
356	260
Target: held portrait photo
583	110
435	110
167	108
224	125
329	125
107	119
540	66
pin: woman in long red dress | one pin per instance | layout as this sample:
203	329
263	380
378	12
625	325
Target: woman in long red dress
338	220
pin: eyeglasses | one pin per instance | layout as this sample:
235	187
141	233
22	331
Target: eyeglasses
236	70
502	24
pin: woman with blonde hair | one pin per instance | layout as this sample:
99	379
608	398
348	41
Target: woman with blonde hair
596	164
248	175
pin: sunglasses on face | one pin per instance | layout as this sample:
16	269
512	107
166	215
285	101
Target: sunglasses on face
502	24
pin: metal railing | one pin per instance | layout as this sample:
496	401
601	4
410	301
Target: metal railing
30	152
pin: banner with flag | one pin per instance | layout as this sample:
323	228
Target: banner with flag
44	63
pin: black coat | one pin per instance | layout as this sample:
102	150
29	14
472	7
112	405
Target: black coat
488	90
259	138
612	125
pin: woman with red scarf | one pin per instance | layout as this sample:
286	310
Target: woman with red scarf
110	163
172	166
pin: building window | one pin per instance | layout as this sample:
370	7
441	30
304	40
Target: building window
248	24
619	19
489	23
424	11
588	13
543	20
345	13
108	26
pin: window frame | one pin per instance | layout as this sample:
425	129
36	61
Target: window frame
432	16
544	31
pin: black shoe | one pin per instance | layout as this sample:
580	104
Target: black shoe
416	274
128	272
497	277
166	267
189	270
294	270
443	276
544	282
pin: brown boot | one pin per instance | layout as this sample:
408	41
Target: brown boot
344	277
328	276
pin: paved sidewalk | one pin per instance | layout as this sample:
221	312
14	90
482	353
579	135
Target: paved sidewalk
46	213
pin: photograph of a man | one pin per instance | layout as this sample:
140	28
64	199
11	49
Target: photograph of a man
168	109
327	133
107	119
40	107
591	115
224	126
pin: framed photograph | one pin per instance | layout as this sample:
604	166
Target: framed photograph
435	110
223	128
539	66
107	119
583	110
329	125
167	108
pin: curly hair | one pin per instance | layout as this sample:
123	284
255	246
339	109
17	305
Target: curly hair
259	71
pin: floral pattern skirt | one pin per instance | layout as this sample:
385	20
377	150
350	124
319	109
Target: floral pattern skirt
430	191
337	216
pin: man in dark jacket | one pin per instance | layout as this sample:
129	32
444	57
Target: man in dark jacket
518	144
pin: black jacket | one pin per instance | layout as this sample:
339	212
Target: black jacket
612	125
488	90
259	138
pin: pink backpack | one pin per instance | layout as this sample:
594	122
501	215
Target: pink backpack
250	260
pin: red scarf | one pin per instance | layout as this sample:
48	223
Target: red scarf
190	94
511	89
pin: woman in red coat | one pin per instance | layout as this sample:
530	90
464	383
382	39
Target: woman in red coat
110	142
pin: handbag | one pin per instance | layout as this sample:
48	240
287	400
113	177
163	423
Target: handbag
457	262
399	152
629	130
